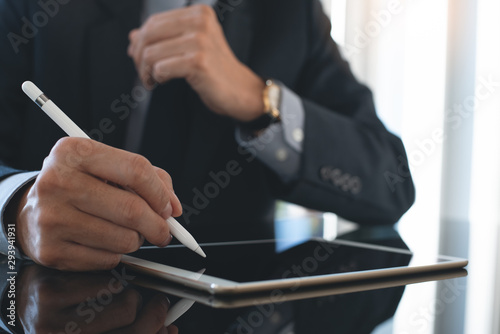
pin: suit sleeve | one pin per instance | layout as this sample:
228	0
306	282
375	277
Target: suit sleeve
350	164
15	68
16	44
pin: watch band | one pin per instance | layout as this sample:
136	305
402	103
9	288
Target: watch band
271	96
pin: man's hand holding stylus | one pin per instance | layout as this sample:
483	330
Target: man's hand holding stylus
71	219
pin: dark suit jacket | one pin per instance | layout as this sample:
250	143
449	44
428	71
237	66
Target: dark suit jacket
79	59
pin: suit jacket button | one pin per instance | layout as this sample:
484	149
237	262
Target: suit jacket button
298	135
325	173
281	154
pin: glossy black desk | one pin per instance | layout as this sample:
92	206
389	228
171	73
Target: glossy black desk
122	301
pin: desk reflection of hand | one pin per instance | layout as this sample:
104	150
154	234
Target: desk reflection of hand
50	301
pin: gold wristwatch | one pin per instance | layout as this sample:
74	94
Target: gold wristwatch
271	96
272	99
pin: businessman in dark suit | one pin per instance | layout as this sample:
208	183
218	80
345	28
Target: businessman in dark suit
251	101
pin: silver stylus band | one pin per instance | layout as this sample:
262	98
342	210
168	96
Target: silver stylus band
41	100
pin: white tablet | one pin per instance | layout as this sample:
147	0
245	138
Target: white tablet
256	266
264	297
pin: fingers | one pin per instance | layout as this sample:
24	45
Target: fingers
81	258
167	180
169	34
145	213
117	166
85	259
184	66
172	330
157	27
170	24
100	234
151	318
61	290
165	49
122	215
132	172
120	313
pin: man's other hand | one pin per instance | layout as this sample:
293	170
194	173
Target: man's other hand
189	43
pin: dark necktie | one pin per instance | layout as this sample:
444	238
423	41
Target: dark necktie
167	127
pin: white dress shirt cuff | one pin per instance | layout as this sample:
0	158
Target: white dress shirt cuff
8	188
280	145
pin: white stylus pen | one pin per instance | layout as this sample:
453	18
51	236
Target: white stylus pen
183	305
65	123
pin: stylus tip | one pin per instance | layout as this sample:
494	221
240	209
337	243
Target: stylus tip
200	251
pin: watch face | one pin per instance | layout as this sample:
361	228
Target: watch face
274	96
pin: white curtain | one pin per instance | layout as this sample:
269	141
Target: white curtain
434	68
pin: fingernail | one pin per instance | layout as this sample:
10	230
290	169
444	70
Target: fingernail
165	302
140	302
175	196
176	199
167	212
167	241
132	34
163	330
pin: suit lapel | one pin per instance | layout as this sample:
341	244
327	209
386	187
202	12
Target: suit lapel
111	71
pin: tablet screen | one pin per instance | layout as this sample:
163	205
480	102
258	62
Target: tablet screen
265	260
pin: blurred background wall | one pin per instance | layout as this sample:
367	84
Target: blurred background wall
434	68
